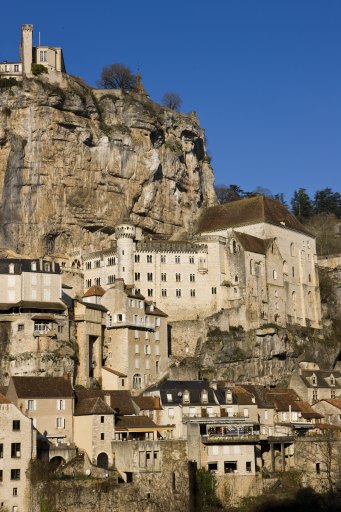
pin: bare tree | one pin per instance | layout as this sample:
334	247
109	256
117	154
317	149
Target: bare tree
171	100
117	76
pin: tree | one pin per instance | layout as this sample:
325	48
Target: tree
301	204
171	100
117	76
325	227
327	201
226	194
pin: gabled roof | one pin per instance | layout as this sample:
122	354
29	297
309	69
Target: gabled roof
147	403
154	310
322	378
253	244
42	387
94	291
240	395
92	406
120	401
261	395
21	265
246	212
172	391
335	402
133	422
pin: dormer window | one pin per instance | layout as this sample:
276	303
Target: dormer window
47	267
314	380
204	396
332	380
186	397
33	265
11	268
169	397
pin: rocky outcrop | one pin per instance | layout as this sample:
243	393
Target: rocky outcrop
72	158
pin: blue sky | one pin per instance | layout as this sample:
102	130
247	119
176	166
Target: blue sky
263	75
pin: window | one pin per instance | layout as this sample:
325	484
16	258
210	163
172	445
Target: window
285	267
102	419
147	364
214	291
1	451
292	249
192	292
60	405
137	276
147	349
309	278
192	411
16	68
332	393
177	259
156	366
191	259
318	469
274	274
171	412
236	279
177	278
149	258
137	381
293	271
97	281
16	425
163	277
31	405
164	292
111	261
178	292
163	258
212	467
60	422
15	450
33	265
21	327
15	474
88	283
111	279
109	355
248	466
314	395
150	292
1	475
246	413
88	265
137	258
192	278
102	436
137	364
97	263
150	276
230	467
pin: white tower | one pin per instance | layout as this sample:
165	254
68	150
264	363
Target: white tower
26	48
125	234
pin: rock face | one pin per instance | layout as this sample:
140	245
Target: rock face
72	158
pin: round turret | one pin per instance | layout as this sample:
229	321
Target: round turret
125	234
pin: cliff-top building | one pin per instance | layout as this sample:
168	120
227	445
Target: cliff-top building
50	57
249	257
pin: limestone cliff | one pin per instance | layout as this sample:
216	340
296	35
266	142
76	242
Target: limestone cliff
71	158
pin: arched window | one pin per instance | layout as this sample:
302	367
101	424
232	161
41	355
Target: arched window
137	381
274	274
292	249
102	460
285	267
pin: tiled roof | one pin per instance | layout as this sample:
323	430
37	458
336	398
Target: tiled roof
94	291
33	305
131	422
336	402
115	372
147	403
92	406
120	401
247	212
4	400
253	244
261	395
42	387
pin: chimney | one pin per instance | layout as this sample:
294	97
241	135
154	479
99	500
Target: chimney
107	399
119	284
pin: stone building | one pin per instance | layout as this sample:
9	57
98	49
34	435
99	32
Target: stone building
33	318
50	57
251	258
313	384
49	402
17	449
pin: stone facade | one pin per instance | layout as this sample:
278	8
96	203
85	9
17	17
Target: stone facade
261	271
17	448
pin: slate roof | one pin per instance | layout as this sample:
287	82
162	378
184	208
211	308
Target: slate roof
248	211
92	406
42	387
24	265
94	291
322	378
261	395
120	401
253	244
156	311
176	389
91	305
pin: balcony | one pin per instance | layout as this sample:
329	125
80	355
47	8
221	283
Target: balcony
229	439
43	330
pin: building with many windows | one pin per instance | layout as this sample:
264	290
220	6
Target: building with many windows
251	258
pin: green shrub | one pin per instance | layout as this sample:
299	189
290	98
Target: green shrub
7	82
38	69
